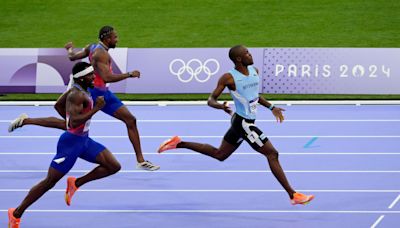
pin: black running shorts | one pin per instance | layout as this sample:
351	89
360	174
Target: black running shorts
242	128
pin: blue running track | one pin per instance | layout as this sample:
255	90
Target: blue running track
347	155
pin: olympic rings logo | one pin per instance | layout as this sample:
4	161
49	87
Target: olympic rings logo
193	68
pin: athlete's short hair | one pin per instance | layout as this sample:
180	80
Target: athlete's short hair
78	67
105	31
235	52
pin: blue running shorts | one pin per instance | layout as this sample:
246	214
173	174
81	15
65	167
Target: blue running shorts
70	147
113	103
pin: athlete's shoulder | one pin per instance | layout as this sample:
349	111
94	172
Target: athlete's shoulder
66	93
226	79
94	47
75	95
100	54
227	76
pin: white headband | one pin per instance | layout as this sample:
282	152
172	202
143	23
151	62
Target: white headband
84	72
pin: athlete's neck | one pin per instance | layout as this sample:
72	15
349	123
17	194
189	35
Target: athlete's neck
80	87
104	46
242	69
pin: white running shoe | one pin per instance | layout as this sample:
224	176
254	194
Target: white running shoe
17	123
146	165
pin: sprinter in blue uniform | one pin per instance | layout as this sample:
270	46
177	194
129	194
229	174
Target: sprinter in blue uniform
102	64
243	83
74	143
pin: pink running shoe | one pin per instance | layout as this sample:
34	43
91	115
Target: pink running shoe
300	198
71	189
12	221
169	144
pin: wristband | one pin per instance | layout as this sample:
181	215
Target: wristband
271	107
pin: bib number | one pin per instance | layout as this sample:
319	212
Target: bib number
253	106
87	124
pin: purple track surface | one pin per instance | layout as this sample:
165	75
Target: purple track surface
346	155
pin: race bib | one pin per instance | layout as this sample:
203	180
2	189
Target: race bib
253	105
87	124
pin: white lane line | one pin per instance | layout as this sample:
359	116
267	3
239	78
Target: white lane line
212	211
215	171
236	153
215	190
382	216
203	136
394	202
228	120
377	221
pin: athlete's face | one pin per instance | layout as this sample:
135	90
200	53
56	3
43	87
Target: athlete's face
113	39
247	58
88	80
